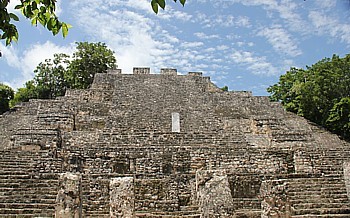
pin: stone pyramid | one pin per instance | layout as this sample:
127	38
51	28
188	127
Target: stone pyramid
167	145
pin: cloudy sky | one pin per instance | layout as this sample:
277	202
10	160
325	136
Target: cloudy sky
244	44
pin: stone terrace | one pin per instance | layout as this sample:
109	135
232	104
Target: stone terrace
167	145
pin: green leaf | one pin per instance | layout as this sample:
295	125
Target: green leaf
41	19
14	17
15	37
183	2
161	3
50	24
18	7
65	28
34	22
154	6
34	5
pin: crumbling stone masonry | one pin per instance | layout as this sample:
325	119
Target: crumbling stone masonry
167	145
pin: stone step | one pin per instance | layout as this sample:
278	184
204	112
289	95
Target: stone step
38	199
321	216
34	211
142	214
189	208
246	203
319	205
306	183
30	192
317	195
320	211
27	205
17	184
318	183
316	186
30	176
94	215
343	200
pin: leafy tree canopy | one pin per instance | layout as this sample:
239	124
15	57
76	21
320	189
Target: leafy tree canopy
6	94
54	76
89	59
29	91
37	11
320	93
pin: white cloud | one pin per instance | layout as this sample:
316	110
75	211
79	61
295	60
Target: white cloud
202	35
222	20
10	55
222	47
257	65
327	25
281	40
326	3
27	61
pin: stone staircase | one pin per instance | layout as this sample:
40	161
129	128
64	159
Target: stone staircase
28	184
184	212
318	197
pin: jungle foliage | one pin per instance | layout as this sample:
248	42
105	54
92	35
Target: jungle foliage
320	93
6	94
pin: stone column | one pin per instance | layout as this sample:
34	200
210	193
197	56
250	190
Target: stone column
141	70
213	194
168	71
122	196
175	122
274	202
68	201
346	167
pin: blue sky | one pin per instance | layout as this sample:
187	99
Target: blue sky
244	44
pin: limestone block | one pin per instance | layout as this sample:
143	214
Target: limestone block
114	71
274	199
214	194
68	201
141	70
168	71
122	197
303	163
346	167
195	73
175	118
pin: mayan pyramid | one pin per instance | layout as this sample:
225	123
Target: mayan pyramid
167	145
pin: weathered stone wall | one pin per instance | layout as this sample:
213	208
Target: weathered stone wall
229	156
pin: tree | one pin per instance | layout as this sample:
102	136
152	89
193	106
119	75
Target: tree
6	94
89	59
339	118
53	77
225	88
50	76
29	91
319	93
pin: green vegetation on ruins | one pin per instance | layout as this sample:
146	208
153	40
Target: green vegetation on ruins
320	93
54	77
6	94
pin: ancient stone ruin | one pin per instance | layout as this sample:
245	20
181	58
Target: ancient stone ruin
167	145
